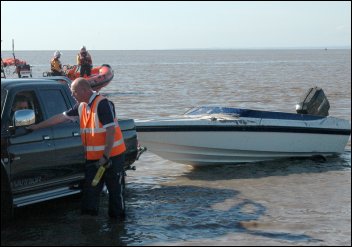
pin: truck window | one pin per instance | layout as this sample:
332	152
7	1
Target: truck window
31	102
54	101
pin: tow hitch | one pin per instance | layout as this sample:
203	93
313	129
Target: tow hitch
140	150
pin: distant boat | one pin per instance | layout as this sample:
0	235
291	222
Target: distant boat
13	61
19	66
100	76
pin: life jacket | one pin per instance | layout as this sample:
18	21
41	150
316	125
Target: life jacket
84	60
93	134
55	65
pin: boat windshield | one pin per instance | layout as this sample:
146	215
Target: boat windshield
241	112
202	110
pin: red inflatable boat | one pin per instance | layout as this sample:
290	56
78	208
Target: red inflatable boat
100	76
13	62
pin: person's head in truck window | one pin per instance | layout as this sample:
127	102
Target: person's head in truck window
20	103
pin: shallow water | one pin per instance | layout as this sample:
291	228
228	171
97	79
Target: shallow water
285	202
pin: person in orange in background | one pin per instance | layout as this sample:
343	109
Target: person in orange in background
55	64
84	60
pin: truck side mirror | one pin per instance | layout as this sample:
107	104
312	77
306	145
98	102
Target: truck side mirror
23	118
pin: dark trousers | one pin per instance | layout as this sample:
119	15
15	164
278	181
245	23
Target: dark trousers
85	69
113	178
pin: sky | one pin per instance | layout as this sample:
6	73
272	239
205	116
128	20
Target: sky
160	25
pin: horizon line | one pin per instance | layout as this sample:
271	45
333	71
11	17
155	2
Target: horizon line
214	48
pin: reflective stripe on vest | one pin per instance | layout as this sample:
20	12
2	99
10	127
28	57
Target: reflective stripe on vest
100	148
94	135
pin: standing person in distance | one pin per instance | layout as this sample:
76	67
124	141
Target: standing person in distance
84	61
103	141
55	64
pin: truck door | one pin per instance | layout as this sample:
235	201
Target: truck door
32	153
69	151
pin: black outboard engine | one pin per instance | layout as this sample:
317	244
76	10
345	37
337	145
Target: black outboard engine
314	102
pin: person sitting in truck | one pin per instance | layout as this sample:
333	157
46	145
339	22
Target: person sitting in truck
20	103
55	64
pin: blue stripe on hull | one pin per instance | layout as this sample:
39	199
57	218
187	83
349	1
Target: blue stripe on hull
188	128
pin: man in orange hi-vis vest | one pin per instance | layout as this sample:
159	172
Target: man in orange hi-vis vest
103	142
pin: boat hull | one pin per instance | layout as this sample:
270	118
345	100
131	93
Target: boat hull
198	142
209	148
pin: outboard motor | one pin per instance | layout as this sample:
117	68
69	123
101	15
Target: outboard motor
314	102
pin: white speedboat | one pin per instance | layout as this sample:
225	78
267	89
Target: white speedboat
210	135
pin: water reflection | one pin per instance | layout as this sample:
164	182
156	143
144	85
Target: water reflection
174	213
154	214
95	231
284	167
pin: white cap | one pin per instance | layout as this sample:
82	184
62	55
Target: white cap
57	54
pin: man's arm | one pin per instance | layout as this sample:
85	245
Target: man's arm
90	61
106	117
59	118
109	142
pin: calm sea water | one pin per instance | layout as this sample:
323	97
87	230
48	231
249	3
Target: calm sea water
289	202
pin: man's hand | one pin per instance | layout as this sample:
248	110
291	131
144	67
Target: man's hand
104	162
101	161
32	127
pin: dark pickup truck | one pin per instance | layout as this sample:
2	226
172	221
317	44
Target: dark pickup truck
47	163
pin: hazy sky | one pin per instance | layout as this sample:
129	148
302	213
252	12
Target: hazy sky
174	25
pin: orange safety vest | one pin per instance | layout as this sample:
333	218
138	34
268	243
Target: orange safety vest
55	65
83	60
93	134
